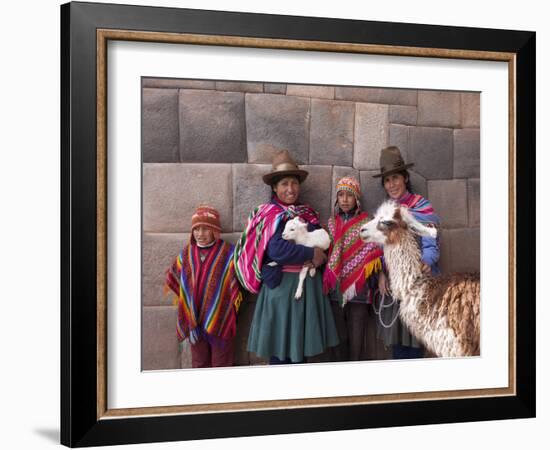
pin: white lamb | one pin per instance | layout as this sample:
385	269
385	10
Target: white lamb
296	230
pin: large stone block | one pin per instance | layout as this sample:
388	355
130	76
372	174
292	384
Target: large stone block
275	88
371	135
277	122
399	136
171	192
470	109
174	83
463	252
419	185
315	191
431	151
377	95
249	191
373	192
449	199
236	86
439	109
473	203
301	90
331	132
160	125
212	126
339	172
186	358
159	340
404	115
159	252
466	153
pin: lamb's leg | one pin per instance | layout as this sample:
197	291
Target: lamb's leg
312	272
301	278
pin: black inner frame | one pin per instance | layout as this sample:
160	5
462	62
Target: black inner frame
79	425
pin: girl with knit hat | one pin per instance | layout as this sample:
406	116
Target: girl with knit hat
348	276
207	292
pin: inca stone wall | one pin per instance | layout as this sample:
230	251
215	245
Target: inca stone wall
209	141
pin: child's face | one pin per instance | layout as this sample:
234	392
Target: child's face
203	235
346	201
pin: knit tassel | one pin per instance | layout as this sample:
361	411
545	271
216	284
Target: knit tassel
373	267
238	301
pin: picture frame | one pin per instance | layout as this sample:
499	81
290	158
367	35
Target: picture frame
85	30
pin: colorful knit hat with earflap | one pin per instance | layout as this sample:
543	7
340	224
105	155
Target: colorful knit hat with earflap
208	216
350	184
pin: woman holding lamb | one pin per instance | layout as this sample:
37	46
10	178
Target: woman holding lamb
350	274
396	183
284	329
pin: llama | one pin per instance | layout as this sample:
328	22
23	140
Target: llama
443	311
296	230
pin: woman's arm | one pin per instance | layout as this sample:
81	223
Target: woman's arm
430	250
286	252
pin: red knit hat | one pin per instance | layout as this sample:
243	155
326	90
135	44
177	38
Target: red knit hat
207	216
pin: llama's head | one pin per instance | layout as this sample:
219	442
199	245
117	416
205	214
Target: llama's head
391	224
293	227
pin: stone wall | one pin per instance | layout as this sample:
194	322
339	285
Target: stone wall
211	141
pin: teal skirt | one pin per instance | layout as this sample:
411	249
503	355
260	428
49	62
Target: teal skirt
288	328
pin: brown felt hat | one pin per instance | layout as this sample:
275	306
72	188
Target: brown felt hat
391	161
283	166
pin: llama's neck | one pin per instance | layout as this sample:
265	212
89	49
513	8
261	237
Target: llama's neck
404	264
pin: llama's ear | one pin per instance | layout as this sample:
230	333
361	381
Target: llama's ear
415	226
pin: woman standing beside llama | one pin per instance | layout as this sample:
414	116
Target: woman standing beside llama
284	329
396	183
349	276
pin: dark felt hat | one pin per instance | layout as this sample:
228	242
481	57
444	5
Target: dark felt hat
283	166
391	161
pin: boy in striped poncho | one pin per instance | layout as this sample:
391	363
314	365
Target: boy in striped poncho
207	292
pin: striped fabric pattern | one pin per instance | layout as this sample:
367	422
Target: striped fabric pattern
251	247
420	208
207	292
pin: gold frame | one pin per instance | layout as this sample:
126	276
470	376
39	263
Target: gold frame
103	36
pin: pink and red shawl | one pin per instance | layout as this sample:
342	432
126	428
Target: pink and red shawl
208	294
251	247
351	261
420	208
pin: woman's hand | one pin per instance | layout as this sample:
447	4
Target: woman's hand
383	284
319	257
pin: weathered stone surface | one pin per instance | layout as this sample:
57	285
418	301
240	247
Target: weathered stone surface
377	95
337	173
463	252
473	202
466	153
249	191
175	83
275	88
419	184
331	132
449	199
315	191
373	192
159	341
301	90
212	126
371	135
439	109
277	122
160	125
431	151
399	136
186	360
445	257
236	86
171	192
159	251
470	109
404	115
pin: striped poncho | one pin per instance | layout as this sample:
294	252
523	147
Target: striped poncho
351	261
262	224
420	208
208	295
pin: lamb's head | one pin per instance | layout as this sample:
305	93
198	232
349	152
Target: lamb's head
391	224
293	228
